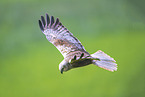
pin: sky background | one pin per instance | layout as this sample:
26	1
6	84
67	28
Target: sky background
29	63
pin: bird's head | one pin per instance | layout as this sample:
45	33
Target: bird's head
64	66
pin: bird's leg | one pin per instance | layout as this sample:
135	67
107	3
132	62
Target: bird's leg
91	58
95	59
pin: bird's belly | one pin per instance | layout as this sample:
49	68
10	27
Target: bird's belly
81	63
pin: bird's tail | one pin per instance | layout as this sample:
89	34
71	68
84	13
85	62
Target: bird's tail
105	61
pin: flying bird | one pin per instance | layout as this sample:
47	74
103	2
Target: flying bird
71	48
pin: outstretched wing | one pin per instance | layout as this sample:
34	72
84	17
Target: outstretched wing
59	35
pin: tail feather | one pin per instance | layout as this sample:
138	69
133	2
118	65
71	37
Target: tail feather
105	62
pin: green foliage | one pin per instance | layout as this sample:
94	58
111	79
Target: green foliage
29	63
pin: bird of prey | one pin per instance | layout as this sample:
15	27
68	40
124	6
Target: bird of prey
71	48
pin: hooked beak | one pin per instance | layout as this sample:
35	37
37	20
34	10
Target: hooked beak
62	70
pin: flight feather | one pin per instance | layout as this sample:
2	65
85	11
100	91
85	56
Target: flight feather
59	35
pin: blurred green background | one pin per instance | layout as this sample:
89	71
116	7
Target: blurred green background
29	63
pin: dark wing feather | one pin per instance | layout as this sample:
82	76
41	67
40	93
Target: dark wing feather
59	36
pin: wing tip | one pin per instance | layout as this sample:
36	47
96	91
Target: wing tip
43	21
40	25
52	20
49	23
46	14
